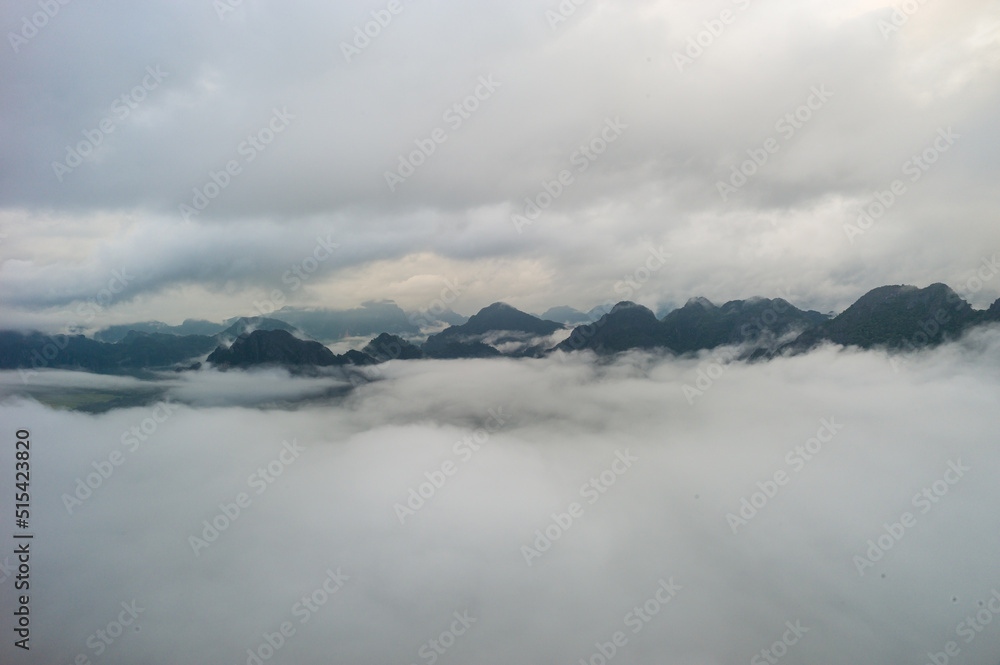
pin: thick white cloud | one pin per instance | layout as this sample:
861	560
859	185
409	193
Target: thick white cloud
565	419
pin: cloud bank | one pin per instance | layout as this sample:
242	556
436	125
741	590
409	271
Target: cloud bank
413	507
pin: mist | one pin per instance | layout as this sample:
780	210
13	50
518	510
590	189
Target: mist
535	510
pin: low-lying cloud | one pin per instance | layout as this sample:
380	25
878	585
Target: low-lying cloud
396	523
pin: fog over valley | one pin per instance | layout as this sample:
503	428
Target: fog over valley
552	503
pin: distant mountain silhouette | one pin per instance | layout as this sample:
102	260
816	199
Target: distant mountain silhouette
566	315
279	347
898	317
893	317
329	325
388	347
699	324
189	327
325	325
627	326
137	351
239	326
498	324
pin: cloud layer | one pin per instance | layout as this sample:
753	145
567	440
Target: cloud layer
695	90
513	445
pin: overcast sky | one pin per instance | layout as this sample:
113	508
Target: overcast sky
114	115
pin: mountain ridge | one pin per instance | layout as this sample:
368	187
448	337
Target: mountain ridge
895	317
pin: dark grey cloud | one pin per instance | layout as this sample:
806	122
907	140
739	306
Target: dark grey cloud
207	132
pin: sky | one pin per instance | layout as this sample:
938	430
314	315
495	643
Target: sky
167	160
328	489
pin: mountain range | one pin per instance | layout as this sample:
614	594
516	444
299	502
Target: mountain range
323	325
893	317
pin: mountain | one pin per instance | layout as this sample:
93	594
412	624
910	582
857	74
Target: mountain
566	315
326	325
993	313
278	347
498	324
241	325
388	347
699	324
447	316
597	312
626	326
137	351
35	350
501	316
159	349
329	325
897	317
189	327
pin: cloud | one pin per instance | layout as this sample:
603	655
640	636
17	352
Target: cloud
496	448
556	88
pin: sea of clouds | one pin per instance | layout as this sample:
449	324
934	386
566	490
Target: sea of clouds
835	507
